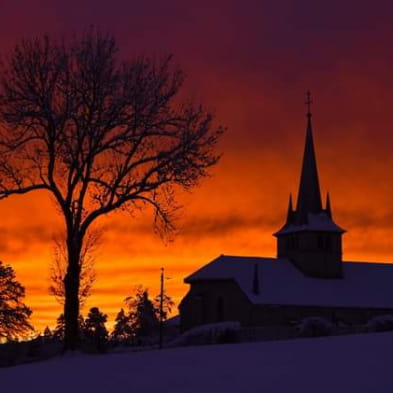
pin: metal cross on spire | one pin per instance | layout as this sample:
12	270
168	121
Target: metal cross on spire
308	103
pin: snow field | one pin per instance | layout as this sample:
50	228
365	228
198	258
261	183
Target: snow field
343	364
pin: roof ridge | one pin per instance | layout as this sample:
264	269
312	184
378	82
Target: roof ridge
245	256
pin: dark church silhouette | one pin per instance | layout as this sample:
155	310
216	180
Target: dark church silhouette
308	277
310	238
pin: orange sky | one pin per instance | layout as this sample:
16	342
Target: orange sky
252	65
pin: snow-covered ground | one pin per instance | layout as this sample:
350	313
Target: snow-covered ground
344	364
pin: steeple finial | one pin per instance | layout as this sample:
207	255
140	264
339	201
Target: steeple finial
308	103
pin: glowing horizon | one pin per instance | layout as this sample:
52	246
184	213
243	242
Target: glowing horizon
252	65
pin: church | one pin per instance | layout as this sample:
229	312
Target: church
307	279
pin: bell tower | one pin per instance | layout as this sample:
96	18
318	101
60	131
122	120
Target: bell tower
310	238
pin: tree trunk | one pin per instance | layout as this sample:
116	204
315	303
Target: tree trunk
71	303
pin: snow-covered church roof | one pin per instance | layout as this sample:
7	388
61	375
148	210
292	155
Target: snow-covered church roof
319	222
280	282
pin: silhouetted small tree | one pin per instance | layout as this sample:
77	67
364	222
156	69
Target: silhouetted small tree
59	330
143	315
47	335
94	330
58	267
123	330
14	314
167	305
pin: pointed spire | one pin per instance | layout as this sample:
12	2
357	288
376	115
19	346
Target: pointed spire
309	196
328	207
290	214
290	207
255	281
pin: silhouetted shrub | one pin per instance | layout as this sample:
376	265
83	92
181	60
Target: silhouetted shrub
34	347
229	336
11	353
314	327
381	323
215	333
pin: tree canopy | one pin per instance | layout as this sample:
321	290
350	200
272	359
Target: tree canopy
98	134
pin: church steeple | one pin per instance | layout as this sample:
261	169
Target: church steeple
309	196
310	238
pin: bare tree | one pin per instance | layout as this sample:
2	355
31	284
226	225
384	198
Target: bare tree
58	266
167	305
98	135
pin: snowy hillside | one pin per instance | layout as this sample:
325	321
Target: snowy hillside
345	364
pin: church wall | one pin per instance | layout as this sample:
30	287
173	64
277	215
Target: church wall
276	315
317	254
214	301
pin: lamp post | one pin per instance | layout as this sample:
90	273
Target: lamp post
162	294
161	306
